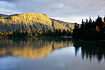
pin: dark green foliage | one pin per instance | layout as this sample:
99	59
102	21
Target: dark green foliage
35	33
57	33
69	34
90	30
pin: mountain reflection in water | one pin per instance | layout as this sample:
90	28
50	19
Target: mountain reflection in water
39	48
32	48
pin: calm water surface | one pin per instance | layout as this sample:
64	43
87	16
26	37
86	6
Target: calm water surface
51	54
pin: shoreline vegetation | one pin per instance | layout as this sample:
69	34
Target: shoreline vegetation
90	30
37	34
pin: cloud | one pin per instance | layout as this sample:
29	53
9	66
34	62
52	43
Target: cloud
8	8
59	8
76	19
8	11
11	0
6	5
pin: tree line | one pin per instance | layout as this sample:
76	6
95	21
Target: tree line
90	30
36	33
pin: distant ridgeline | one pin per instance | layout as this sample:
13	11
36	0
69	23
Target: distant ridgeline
90	30
31	21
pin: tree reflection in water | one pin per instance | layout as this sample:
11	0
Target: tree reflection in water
90	49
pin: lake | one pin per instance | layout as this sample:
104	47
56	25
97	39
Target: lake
51	54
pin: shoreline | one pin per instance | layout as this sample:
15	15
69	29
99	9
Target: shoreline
1	37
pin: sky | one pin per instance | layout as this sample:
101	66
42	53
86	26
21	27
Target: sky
66	10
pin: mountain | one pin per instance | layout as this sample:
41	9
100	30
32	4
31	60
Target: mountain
68	25
31	21
2	15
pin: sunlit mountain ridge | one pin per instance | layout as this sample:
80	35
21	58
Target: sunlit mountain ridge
31	21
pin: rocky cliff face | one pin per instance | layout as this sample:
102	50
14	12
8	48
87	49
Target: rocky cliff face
31	21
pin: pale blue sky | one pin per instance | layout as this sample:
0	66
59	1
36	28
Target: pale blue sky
67	10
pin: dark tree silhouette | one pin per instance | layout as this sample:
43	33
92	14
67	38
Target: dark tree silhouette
90	30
